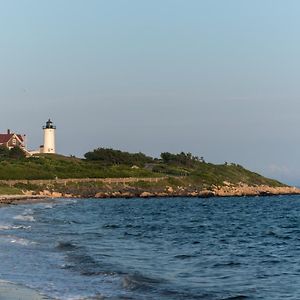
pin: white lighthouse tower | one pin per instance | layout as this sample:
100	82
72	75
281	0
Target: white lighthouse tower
49	137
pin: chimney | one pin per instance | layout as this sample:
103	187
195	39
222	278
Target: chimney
8	131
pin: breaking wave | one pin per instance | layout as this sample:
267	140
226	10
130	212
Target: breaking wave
27	218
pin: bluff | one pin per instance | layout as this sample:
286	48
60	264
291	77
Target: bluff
112	173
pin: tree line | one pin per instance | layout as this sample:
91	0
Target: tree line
110	156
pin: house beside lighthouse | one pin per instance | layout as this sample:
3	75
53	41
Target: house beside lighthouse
11	140
49	138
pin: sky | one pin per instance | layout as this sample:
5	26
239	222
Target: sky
216	78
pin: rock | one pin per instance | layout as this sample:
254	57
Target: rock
193	194
116	194
245	190
101	195
45	193
28	193
68	195
170	189
206	194
146	195
162	194
127	195
56	195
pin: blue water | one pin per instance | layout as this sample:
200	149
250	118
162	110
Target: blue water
226	248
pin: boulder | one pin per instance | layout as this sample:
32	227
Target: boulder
170	189
145	195
56	195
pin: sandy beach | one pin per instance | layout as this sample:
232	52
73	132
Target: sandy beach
10	291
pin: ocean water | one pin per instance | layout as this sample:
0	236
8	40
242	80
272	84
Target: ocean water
217	248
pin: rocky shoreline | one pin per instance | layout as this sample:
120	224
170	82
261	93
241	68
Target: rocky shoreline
226	190
13	199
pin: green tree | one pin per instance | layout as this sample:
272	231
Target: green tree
116	157
182	158
16	153
167	157
4	152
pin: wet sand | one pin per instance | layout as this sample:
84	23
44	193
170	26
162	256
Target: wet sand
11	291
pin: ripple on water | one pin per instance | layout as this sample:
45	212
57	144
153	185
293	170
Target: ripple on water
166	249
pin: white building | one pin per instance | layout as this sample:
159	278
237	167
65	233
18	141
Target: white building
49	138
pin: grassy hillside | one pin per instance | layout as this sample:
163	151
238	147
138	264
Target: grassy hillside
217	174
192	169
58	166
8	190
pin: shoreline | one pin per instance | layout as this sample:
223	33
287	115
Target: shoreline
15	199
13	291
142	187
218	192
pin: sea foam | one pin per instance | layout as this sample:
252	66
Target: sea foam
24	218
9	227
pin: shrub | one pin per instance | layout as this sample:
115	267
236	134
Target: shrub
117	157
16	153
184	159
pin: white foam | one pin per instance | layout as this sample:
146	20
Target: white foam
48	206
21	241
25	218
21	227
16	240
8	227
5	227
67	201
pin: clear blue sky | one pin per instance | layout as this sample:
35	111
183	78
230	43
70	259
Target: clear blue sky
217	78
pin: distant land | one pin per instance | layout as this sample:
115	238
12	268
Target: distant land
107	173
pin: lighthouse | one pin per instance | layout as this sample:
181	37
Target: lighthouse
49	137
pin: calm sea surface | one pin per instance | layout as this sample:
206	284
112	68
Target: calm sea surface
230	248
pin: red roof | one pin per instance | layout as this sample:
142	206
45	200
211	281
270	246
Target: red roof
5	137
